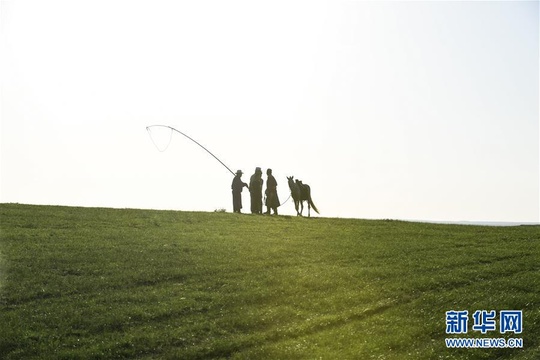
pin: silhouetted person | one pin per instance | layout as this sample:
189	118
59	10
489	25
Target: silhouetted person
272	200
255	190
237	187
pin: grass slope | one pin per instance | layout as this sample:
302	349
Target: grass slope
105	283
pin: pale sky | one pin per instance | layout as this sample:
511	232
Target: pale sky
388	110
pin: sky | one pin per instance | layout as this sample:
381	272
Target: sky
388	110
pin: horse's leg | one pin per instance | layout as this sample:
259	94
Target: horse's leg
301	207
308	209
296	207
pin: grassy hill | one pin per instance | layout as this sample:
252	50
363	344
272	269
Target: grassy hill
106	283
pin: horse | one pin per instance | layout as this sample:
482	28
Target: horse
300	193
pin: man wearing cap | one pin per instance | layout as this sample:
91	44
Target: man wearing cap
237	187
255	190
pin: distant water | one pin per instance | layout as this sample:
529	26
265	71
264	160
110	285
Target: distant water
478	223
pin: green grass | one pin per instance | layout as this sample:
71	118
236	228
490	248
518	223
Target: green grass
105	283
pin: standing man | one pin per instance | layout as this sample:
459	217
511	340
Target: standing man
255	190
272	200
237	187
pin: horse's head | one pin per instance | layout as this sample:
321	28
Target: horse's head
290	180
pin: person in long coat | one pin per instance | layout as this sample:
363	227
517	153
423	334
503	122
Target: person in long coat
237	187
272	199
255	190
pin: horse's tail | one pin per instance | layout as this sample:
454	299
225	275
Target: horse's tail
312	204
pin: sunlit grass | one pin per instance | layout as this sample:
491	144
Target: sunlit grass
103	283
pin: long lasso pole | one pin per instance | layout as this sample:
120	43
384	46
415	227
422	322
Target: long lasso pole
196	142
